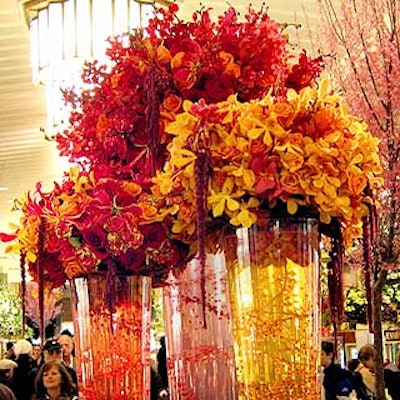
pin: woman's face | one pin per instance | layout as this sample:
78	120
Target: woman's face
370	363
36	352
52	378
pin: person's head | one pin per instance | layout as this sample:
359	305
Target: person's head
353	364
36	352
52	350
67	345
7	368
53	375
22	347
367	356
9	345
327	351
162	341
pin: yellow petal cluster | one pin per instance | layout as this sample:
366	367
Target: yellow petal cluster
303	149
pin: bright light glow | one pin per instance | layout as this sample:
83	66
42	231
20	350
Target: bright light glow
65	33
102	25
3	188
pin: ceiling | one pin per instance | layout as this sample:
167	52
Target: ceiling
25	156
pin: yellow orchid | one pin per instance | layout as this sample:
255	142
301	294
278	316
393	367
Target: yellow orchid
225	199
245	217
304	150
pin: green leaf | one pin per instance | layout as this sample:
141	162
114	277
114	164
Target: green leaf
75	241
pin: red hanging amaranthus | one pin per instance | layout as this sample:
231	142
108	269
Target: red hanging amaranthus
110	289
152	118
335	276
201	171
23	290
40	274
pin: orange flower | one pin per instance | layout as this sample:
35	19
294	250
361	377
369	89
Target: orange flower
172	103
184	69
357	183
163	55
102	125
290	182
230	67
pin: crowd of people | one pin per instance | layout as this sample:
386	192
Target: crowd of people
32	372
357	381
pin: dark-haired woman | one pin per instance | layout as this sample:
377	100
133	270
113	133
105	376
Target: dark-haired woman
53	382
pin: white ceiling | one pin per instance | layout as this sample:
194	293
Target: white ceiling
25	156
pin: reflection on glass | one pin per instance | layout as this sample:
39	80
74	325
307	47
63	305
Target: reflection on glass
273	272
112	337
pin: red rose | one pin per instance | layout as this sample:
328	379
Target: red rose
96	240
154	235
133	260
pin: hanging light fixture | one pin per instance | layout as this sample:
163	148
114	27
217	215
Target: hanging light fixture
66	33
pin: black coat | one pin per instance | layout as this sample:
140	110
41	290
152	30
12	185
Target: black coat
392	383
333	374
23	379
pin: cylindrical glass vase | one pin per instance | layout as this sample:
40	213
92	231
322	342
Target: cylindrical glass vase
112	336
200	355
273	273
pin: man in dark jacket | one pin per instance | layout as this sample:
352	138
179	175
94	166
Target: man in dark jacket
332	373
336	380
392	378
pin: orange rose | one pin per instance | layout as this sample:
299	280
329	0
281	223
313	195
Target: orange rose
290	182
285	113
323	121
172	103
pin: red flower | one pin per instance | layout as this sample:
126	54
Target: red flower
154	235
96	239
219	88
304	73
133	260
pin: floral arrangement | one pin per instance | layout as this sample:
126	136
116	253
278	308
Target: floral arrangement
356	304
118	125
192	125
302	149
94	224
108	214
52	303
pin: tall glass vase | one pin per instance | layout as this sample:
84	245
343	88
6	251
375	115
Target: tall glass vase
112	336
273	273
198	332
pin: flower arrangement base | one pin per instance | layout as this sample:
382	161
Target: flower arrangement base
200	354
112	341
273	272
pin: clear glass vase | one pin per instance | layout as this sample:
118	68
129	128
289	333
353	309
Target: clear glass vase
273	273
199	340
112	336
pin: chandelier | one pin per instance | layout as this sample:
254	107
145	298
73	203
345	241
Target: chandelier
66	33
